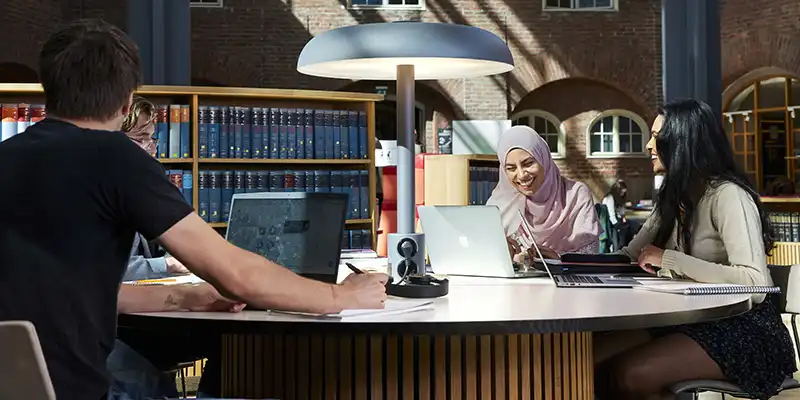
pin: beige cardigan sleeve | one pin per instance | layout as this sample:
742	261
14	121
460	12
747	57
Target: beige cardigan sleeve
642	238
737	221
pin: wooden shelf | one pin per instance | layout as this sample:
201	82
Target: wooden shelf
209	91
195	96
348	222
281	161
778	199
176	160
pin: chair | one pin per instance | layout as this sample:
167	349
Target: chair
788	279
181	369
23	372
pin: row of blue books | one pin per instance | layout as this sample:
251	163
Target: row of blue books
216	188
482	181
281	133
172	131
357	239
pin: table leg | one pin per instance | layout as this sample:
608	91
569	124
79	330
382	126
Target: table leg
554	366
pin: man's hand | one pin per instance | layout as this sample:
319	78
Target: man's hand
513	247
361	291
203	297
175	267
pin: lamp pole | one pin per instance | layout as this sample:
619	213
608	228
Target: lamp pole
406	211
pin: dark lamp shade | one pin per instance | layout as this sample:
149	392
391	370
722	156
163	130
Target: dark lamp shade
436	50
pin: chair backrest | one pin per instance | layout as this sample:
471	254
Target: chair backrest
23	371
787	277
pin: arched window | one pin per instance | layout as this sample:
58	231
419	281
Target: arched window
547	126
617	133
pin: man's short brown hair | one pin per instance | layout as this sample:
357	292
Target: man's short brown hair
89	69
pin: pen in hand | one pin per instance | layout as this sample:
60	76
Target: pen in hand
354	269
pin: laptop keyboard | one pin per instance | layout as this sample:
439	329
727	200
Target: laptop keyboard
580	279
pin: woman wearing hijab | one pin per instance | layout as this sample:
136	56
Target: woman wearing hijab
559	211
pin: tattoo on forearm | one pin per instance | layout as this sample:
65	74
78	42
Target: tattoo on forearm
170	301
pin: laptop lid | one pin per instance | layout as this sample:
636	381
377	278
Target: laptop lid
301	231
528	231
466	240
23	371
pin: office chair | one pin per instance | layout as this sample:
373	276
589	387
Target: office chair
788	279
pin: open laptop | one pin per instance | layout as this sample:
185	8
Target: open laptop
23	371
301	231
468	241
580	280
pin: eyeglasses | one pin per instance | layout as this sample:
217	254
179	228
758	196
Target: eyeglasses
149	144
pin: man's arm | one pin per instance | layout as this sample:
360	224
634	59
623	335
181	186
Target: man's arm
245	276
202	297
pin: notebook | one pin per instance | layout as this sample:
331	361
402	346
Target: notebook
708	288
392	306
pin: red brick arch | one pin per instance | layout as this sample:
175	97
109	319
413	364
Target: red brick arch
752	50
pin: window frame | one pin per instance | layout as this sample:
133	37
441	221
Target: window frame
562	136
614	7
616	113
385	6
215	4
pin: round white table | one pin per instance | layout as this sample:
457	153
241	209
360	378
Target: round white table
488	339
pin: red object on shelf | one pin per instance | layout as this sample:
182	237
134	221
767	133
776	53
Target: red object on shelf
388	222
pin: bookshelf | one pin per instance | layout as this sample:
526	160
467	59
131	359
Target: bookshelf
287	114
459	179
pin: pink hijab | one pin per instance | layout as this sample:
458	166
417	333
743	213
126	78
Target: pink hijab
561	212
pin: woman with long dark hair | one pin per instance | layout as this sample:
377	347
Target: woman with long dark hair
709	226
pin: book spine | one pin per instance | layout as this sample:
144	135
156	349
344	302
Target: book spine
354	151
283	117
239	182
215	196
363	145
162	130
251	182
300	181
217	129
174	131
256	142
227	194
234	119
23	117
202	130
291	134
308	132
185	132
187	186
176	177
300	134
337	134
344	135
263	181
38	113
288	181
265	134
364	199
247	134
274	133
202	195
8	125
319	134
276	182
237	132
353	191
328	134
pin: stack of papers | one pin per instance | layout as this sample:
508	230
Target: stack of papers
393	306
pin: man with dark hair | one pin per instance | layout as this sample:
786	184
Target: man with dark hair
75	191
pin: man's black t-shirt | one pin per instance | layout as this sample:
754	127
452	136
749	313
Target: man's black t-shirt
71	200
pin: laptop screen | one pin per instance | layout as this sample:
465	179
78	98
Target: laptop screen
301	231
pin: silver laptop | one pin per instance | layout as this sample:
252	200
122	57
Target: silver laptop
468	241
23	371
580	280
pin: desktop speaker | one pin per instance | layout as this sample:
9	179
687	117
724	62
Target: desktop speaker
406	253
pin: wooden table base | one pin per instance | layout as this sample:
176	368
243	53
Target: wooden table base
555	366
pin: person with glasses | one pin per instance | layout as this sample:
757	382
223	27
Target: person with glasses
139	125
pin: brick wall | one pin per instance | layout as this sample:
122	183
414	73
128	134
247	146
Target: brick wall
571	64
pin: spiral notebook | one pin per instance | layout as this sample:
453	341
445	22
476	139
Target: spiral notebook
708	288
